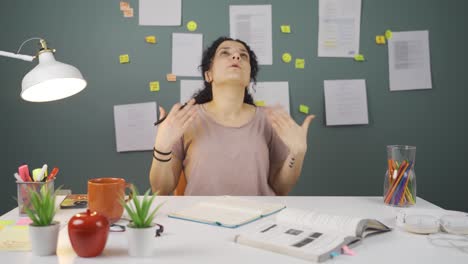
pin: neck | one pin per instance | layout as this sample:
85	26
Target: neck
227	101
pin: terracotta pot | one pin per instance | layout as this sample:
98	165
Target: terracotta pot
44	239
88	232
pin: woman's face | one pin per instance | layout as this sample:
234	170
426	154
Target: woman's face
231	64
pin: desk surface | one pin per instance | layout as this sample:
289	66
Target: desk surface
185	241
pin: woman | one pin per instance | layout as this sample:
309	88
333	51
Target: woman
223	142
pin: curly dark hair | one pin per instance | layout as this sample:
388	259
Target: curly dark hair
206	94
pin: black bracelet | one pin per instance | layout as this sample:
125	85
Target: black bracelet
162	153
161	160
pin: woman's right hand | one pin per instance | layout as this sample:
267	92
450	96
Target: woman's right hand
175	125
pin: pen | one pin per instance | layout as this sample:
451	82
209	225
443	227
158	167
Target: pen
52	174
164	118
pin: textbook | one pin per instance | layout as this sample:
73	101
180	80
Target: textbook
227	211
309	235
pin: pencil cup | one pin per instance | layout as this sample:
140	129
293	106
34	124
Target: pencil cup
23	193
400	178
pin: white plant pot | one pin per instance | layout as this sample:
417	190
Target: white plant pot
141	241
44	239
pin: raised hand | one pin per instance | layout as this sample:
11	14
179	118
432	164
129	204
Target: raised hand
294	136
174	125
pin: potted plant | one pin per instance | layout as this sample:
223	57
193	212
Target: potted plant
140	231
43	231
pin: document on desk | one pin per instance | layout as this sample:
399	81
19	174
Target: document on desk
227	211
339	28
134	129
160	12
14	238
252	24
409	61
187	51
345	102
271	93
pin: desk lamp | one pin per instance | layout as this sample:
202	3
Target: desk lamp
50	80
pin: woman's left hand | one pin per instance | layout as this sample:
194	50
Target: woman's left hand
294	136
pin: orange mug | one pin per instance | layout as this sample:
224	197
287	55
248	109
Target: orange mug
104	195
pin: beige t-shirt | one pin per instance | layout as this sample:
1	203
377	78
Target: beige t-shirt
220	160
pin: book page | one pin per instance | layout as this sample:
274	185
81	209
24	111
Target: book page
318	221
227	211
299	242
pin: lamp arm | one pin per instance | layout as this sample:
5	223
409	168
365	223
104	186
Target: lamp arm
17	56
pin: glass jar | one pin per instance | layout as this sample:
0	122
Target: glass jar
400	178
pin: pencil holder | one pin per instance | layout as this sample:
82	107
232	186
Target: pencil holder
400	178
23	193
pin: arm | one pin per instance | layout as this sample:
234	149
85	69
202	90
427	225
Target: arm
164	173
284	176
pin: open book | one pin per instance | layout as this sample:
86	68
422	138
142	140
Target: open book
227	211
309	235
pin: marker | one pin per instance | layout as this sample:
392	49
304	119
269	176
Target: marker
52	174
23	172
42	173
17	177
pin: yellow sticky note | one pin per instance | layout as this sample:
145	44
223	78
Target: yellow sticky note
150	39
154	86
192	25
285	29
6	222
260	103
380	40
124	58
171	77
300	63
388	34
359	57
303	109
286	57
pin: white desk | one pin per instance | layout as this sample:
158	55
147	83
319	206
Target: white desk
189	242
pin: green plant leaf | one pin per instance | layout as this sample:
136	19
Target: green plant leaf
138	210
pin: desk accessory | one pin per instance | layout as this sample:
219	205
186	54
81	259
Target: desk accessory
88	232
104	195
43	231
74	201
50	80
140	231
400	178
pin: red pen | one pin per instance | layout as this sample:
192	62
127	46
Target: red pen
52	174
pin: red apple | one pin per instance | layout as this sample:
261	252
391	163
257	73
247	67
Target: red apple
88	232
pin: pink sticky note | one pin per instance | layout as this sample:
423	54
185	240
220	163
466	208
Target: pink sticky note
24	221
348	251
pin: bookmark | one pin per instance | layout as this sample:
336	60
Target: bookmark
346	250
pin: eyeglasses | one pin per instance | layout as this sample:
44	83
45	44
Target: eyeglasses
121	228
459	242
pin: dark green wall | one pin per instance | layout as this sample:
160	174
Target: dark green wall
77	134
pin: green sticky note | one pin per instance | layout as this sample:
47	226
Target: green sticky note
6	222
285	29
300	63
260	103
154	86
359	57
388	34
303	109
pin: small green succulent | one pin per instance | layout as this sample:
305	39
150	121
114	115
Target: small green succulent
139	212
43	208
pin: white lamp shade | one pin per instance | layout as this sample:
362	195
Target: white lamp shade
51	80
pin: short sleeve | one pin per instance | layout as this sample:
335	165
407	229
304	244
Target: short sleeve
178	149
